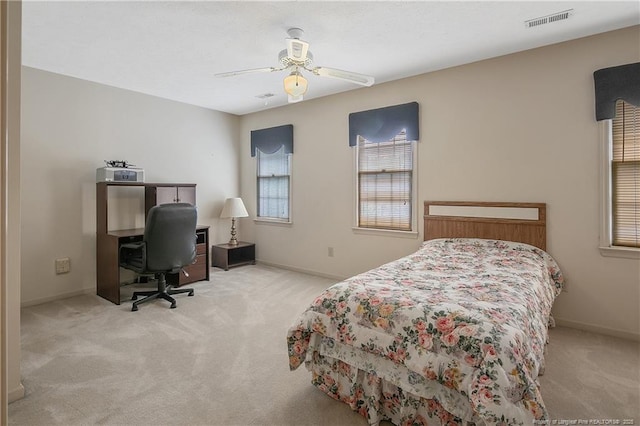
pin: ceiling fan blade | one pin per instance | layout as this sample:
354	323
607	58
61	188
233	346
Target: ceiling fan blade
254	70
353	77
297	49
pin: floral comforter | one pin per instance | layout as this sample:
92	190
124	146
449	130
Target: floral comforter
461	321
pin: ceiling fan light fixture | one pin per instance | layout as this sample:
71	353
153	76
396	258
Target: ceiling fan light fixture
295	84
294	99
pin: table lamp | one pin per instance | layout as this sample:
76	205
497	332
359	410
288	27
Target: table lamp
233	208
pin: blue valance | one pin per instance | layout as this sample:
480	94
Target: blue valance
611	84
270	140
382	124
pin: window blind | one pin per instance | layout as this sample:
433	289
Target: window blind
625	171
385	173
273	184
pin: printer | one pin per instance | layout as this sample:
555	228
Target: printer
119	174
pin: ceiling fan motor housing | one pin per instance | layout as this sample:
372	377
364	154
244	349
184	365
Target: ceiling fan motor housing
288	61
295	32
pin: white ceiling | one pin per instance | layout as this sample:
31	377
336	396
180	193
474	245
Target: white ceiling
173	49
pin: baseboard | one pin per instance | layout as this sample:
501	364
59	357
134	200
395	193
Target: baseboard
302	270
57	297
597	329
16	394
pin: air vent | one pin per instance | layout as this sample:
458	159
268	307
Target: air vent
265	96
559	16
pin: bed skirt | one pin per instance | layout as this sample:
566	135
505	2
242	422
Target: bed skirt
377	398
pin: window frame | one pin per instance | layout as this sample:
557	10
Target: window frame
606	246
414	231
269	219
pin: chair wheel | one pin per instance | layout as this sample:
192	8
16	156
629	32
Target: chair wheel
134	297
173	306
190	293
134	308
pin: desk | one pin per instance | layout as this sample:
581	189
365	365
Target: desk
108	242
108	265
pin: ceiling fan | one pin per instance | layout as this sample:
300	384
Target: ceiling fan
297	57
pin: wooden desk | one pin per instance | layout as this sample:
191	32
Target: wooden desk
108	265
108	242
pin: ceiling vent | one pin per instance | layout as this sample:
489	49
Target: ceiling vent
555	17
265	96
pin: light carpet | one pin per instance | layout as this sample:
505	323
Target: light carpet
220	358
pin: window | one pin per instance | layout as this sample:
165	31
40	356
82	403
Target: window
386	183
273	148
385	143
617	104
625	176
274	184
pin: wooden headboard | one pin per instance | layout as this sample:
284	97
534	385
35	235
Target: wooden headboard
520	222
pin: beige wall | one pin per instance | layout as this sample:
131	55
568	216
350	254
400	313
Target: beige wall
515	128
69	126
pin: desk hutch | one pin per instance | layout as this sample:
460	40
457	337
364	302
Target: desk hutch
108	242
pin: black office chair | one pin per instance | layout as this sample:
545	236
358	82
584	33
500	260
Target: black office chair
168	245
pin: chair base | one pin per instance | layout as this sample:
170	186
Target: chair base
164	291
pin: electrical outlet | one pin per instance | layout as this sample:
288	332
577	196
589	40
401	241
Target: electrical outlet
330	251
63	265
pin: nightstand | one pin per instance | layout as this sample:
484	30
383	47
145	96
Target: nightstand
227	256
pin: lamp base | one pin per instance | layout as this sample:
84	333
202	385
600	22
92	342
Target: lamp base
233	241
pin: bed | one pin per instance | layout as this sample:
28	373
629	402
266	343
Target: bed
453	333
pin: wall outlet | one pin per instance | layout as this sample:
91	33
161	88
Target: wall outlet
330	251
63	265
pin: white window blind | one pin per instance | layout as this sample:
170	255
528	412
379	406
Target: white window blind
273	184
625	175
385	179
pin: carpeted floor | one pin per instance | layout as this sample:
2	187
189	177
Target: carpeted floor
220	358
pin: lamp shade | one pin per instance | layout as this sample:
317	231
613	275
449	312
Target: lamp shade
295	84
234	207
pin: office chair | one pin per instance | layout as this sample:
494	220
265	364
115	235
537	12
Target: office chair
168	245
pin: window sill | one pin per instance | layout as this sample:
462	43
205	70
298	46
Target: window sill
385	232
622	252
276	222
